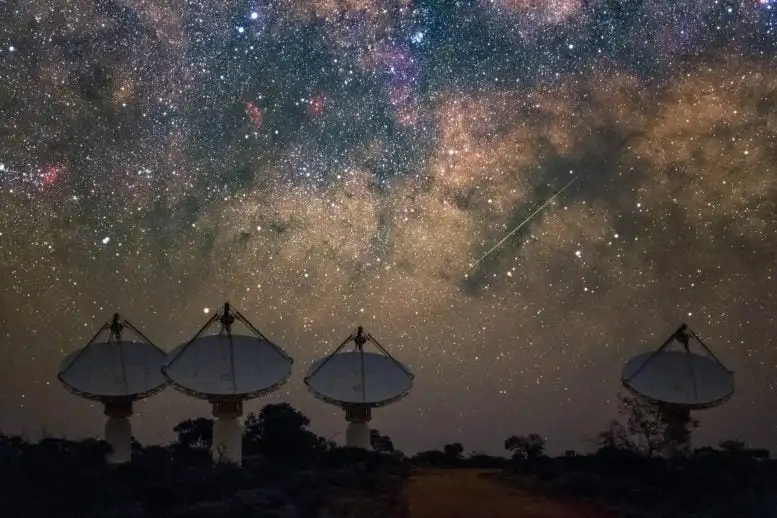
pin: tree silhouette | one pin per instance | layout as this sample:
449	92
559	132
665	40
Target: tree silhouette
453	450
737	449
279	432
529	447
646	432
434	458
732	446
196	434
381	443
135	445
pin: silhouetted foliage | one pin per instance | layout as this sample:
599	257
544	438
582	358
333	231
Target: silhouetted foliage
453	450
56	478
196	434
135	445
431	458
646	431
279	433
381	443
477	460
529	447
731	480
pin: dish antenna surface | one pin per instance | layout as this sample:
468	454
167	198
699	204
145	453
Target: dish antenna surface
679	381
226	369
359	381
115	372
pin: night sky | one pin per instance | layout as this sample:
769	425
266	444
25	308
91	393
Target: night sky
323	164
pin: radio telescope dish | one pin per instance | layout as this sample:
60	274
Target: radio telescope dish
359	381
225	369
679	381
116	373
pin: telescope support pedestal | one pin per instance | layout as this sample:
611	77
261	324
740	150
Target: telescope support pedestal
118	429
227	432
357	435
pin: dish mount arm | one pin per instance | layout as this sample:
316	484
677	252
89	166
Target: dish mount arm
704	346
115	327
683	335
226	317
360	339
388	354
258	333
329	357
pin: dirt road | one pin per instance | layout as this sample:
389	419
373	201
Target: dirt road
463	493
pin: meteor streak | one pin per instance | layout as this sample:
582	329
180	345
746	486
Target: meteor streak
516	229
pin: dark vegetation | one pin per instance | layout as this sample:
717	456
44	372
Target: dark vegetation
288	472
644	468
639	469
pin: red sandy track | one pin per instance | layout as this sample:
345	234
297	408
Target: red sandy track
464	493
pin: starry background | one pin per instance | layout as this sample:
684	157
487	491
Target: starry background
326	163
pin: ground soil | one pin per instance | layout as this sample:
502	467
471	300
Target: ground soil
466	493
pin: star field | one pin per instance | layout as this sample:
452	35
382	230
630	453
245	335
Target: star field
323	164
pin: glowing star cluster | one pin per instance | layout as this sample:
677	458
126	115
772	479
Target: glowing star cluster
326	164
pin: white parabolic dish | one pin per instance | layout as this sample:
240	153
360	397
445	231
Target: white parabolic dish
224	365
679	378
338	379
114	369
